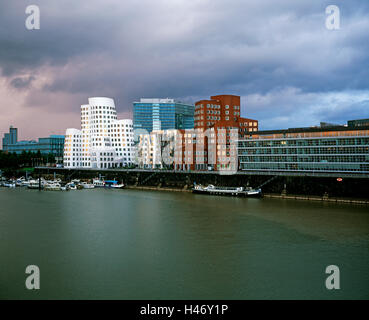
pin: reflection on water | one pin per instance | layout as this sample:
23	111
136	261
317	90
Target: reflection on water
127	244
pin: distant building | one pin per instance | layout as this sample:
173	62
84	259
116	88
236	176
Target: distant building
10	138
103	141
162	114
340	149
53	144
358	123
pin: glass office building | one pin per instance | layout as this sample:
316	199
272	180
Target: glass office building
10	138
162	114
333	149
50	145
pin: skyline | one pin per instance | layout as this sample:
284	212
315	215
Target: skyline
289	70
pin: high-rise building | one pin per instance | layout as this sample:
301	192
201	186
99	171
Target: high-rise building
218	126
103	141
211	145
162	114
223	111
10	138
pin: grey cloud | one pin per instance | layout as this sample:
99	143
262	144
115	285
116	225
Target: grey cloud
22	82
190	49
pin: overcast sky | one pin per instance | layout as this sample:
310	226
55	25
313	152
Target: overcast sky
289	69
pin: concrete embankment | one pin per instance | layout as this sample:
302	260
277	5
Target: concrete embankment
266	195
317	198
346	189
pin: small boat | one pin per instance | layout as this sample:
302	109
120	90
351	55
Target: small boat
10	184
229	191
113	184
71	186
52	187
24	183
34	184
98	183
19	182
86	185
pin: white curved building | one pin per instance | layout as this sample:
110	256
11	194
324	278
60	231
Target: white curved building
105	142
72	148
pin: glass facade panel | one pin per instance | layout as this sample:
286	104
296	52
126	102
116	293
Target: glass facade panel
162	115
329	154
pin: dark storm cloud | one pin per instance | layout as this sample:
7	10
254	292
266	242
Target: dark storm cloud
22	83
192	49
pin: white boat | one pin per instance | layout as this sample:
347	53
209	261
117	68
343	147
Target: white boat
229	191
9	184
98	183
52	187
86	185
113	184
34	184
71	186
25	183
19	182
117	186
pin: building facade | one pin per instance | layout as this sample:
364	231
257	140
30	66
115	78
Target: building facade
158	149
317	149
223	111
210	145
103	141
218	126
162	114
53	144
10	138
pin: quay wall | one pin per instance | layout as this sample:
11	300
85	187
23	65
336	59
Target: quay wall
281	185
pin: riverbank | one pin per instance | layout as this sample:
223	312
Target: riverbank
317	198
266	195
272	183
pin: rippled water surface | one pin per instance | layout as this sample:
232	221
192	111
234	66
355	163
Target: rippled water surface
127	244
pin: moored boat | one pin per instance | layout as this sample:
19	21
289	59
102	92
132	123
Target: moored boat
54	186
229	191
34	184
98	183
86	185
10	184
113	184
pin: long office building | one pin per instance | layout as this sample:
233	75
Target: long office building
54	144
316	149
162	114
103	141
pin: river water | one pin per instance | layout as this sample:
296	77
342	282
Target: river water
128	244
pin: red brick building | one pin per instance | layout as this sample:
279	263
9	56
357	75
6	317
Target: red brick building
223	111
213	143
